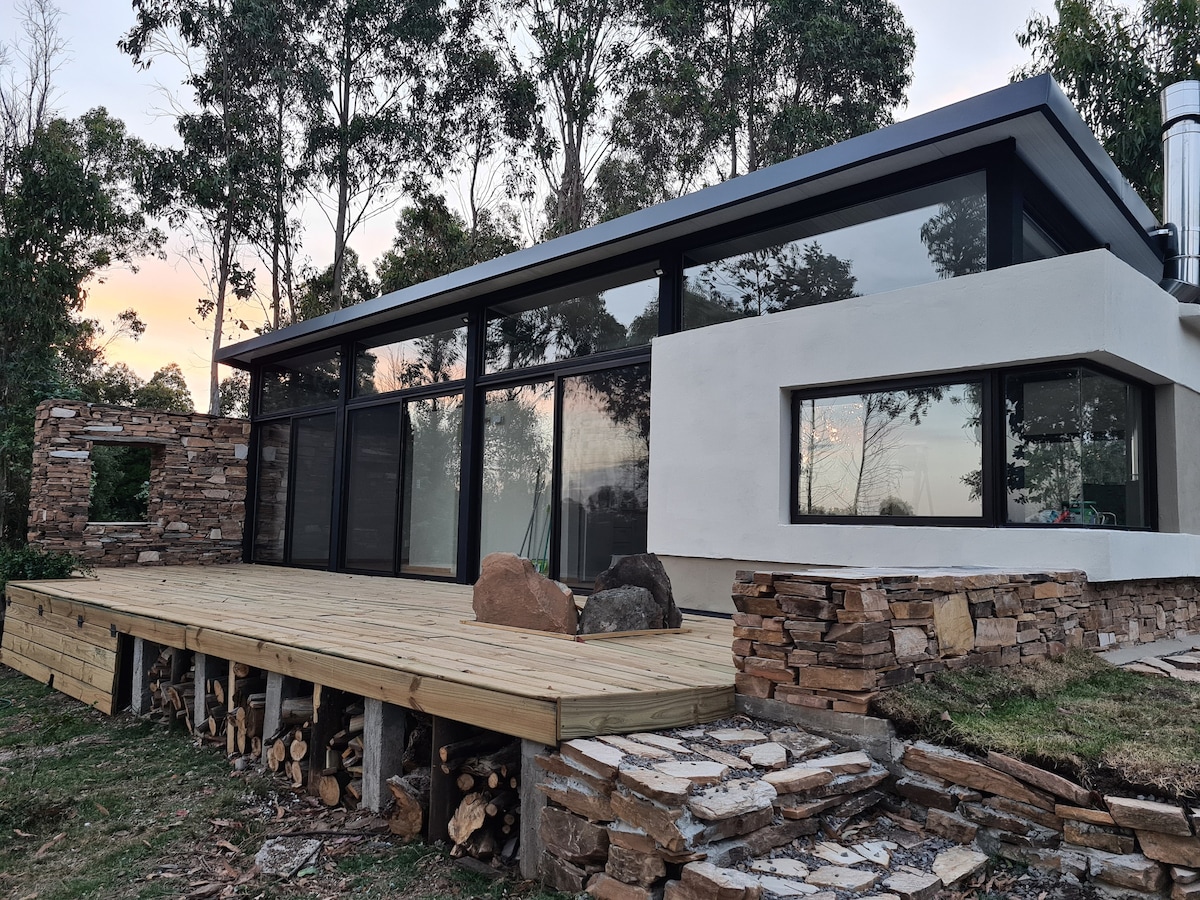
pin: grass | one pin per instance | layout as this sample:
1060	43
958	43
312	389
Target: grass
112	807
1080	716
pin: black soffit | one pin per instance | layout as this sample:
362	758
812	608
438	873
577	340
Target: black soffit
1050	138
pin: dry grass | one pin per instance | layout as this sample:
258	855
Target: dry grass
1079	715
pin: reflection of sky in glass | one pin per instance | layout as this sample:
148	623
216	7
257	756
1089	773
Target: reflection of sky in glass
923	466
880	241
569	324
411	362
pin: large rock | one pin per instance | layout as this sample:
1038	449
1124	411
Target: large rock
511	592
620	609
645	571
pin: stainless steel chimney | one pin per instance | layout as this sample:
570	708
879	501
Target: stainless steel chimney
1181	188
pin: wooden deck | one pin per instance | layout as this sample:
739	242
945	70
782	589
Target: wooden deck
396	640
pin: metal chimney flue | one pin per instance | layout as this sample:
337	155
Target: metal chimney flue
1181	189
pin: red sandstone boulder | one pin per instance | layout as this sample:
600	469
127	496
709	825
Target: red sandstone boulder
511	592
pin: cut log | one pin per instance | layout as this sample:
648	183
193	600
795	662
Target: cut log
470	815
296	710
501	762
502	803
329	788
411	793
298	750
465	783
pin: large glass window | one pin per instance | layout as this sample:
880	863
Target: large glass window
312	490
911	238
371	494
909	452
432	454
411	358
1048	446
310	379
605	466
1074	439
605	314
518	442
271	497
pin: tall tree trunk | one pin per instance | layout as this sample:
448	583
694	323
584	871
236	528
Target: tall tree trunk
223	267
343	199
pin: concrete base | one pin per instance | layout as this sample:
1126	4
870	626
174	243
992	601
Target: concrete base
384	734
144	655
532	803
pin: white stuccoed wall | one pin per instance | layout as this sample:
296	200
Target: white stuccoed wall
721	426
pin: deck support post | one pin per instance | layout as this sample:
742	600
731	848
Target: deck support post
144	655
384	729
279	688
532	803
207	668
329	709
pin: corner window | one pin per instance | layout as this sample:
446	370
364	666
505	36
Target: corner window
1073	444
891	454
1048	446
918	236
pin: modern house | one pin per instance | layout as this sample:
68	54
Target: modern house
945	343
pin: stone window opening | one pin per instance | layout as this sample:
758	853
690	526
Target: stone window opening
119	487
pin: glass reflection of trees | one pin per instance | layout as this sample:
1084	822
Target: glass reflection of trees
397	365
1072	449
432	455
850	452
569	328
309	380
605	469
937	231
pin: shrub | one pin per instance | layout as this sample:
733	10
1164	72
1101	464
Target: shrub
32	563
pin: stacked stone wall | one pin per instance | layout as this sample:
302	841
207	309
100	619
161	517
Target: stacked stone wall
197	490
835	638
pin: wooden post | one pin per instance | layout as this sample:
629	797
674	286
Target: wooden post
532	803
279	688
144	655
207	668
230	735
329	708
384	735
444	795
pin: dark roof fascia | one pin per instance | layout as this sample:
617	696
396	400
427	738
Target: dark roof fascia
942	132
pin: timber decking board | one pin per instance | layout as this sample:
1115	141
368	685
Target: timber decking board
403	641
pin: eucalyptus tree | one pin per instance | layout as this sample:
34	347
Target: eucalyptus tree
729	87
218	182
377	64
1113	59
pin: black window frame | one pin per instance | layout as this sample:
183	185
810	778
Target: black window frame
994	453
1012	191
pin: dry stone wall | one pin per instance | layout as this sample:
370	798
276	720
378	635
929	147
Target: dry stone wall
835	638
197	485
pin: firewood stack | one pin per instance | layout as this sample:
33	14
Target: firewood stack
171	687
289	746
409	814
486	769
236	720
340	781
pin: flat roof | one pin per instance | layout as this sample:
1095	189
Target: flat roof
1050	137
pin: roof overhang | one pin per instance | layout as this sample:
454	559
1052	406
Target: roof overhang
1050	138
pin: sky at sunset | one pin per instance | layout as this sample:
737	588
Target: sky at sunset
963	48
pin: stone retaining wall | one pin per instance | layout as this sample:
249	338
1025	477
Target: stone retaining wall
834	638
197	485
736	813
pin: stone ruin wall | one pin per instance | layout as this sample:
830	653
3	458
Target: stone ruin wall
833	639
197	489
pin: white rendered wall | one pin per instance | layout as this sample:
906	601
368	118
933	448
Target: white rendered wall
721	422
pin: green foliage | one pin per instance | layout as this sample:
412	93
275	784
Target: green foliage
431	240
731	87
235	395
68	208
120	483
31	563
1113	59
